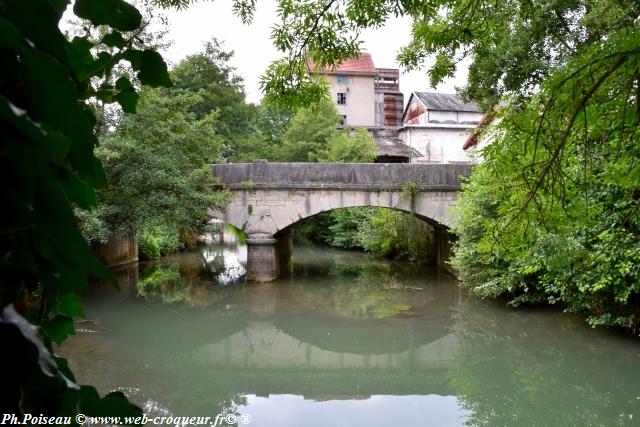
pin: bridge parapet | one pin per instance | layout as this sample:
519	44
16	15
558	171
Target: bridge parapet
344	176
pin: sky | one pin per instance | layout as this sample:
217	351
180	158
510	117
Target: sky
191	28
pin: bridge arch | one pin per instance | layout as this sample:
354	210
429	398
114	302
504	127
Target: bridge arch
267	198
267	212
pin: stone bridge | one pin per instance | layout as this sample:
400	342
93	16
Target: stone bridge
268	198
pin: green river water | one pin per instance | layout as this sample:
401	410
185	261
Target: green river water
345	340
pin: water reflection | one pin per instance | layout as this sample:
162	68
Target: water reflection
345	340
189	276
520	367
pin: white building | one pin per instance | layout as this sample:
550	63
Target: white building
437	125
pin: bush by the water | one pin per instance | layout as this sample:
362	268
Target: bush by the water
381	232
154	242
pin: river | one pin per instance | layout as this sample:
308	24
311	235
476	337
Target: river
344	340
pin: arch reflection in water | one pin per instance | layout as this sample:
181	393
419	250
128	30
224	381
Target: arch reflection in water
345	338
226	344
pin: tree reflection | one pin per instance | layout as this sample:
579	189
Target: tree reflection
509	370
363	290
189	277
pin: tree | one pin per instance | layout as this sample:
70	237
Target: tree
158	173
313	136
355	146
271	124
552	215
209	76
309	131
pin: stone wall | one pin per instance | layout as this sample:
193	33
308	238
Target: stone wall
268	198
118	250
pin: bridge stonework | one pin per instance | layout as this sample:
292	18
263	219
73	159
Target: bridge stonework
267	198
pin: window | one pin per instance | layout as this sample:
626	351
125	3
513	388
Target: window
343	120
341	80
342	98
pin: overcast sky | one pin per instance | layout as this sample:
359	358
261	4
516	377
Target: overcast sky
191	28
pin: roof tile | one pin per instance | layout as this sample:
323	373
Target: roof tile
361	64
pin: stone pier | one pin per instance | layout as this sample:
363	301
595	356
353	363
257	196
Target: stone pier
267	256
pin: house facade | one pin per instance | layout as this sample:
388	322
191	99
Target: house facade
369	97
351	87
365	96
437	125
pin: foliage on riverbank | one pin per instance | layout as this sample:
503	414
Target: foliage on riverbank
157	161
159	184
552	214
379	231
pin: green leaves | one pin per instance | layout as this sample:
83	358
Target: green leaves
552	214
443	67
48	167
288	85
153	70
309	133
349	146
59	328
41	28
113	39
159	176
117	14
127	96
68	305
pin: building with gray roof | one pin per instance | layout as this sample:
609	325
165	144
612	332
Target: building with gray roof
437	126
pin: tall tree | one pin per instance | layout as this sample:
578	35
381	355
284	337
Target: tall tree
552	215
210	76
159	182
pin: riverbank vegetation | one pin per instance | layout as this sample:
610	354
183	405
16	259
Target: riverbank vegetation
551	216
157	160
159	182
381	232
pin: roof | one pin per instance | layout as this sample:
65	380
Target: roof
361	64
445	102
393	146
